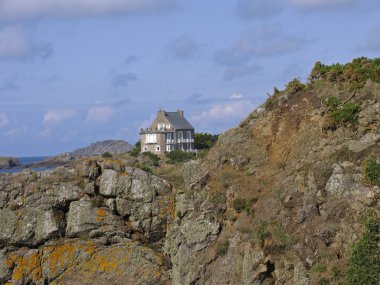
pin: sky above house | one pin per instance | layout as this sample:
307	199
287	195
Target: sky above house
73	72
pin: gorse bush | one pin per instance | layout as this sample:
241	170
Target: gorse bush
364	263
352	75
372	171
342	113
346	114
294	86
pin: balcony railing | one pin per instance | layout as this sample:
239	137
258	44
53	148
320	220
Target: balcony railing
185	140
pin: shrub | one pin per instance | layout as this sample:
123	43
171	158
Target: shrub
294	86
364	263
332	103
204	140
285	239
372	171
145	167
351	75
346	114
222	247
153	157
136	150
241	204
261	232
178	156
320	268
106	154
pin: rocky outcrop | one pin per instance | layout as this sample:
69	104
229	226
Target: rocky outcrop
278	200
98	148
87	224
94	149
9	162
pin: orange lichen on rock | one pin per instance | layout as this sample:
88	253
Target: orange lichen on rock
26	266
63	256
124	174
101	215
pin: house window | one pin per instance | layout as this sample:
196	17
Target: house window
169	147
145	148
151	138
161	126
180	135
189	135
157	148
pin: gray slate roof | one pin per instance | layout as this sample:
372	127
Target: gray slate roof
177	121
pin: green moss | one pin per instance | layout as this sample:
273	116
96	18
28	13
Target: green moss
372	171
222	247
364	263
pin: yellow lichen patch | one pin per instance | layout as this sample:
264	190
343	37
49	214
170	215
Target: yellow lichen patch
124	174
101	215
28	265
9	263
63	256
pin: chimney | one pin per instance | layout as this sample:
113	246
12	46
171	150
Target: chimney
180	112
161	113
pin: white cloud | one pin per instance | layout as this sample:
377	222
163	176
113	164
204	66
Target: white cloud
4	120
236	96
58	116
99	114
224	112
311	4
13	42
27	9
16	132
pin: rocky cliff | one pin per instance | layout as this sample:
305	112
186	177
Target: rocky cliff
96	223
9	162
291	196
94	149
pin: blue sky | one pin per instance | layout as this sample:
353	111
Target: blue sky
74	72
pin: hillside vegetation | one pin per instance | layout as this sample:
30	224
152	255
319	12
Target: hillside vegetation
290	196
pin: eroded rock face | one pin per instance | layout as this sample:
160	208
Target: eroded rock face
111	206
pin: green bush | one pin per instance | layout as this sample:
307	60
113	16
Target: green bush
136	150
222	247
106	154
204	140
372	171
145	167
155	159
261	232
332	103
178	156
351	75
364	263
346	114
294	86
241	204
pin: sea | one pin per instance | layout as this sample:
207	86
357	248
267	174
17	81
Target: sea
27	161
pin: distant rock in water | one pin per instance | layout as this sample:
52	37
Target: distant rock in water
9	162
98	148
94	149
